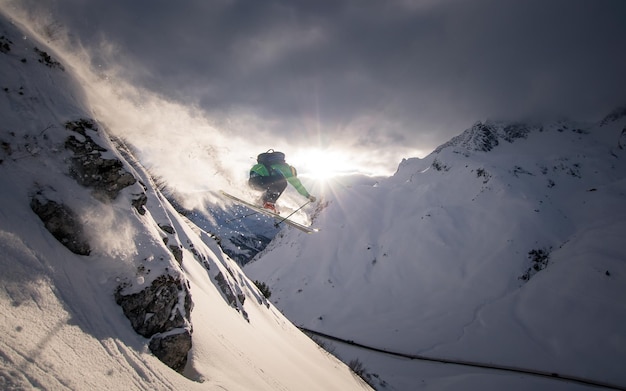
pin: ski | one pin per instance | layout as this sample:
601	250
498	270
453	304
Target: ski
279	219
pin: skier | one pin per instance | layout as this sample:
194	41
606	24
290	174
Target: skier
270	175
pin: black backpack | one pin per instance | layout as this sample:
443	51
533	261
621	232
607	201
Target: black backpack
270	157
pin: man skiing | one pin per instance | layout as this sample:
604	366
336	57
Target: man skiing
271	174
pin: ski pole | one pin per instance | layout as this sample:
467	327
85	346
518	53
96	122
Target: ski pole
242	217
292	213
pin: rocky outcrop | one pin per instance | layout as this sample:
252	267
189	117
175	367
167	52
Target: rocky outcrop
161	312
155	309
172	349
5	44
107	177
226	289
62	223
486	136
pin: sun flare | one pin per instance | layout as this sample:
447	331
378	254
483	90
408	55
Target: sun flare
321	164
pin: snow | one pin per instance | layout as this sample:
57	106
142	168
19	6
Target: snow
60	327
425	263
428	262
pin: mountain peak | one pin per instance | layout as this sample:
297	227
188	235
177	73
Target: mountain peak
484	136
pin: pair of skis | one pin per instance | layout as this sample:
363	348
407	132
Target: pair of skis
279	219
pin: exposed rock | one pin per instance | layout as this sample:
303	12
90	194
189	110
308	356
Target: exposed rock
106	176
514	131
177	250
486	136
139	202
172	349
5	44
81	125
539	260
155	309
62	223
167	229
178	253
155	312
48	61
480	137
439	166
228	292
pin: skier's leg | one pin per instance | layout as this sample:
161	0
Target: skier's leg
257	183
274	189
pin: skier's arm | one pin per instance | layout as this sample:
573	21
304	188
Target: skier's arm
260	169
295	182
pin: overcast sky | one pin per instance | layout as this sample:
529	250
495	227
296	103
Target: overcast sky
369	75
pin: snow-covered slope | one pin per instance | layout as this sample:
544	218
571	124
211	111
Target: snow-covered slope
82	226
504	246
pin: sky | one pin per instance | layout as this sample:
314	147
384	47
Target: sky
364	83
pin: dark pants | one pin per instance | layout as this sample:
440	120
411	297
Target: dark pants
272	186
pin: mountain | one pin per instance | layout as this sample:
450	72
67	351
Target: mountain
240	232
503	247
104	284
243	233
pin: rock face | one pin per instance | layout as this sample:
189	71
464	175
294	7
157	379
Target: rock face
172	349
106	176
486	136
161	311
62	223
155	312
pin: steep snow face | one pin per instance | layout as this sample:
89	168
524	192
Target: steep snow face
502	246
61	326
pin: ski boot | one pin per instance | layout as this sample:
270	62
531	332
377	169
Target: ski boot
270	206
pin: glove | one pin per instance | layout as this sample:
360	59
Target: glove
312	198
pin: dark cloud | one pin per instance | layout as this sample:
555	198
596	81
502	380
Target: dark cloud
393	74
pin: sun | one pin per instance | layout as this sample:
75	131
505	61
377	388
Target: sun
319	164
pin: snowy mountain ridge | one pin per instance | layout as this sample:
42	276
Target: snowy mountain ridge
509	232
486	136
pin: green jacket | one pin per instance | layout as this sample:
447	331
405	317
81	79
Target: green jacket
284	170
